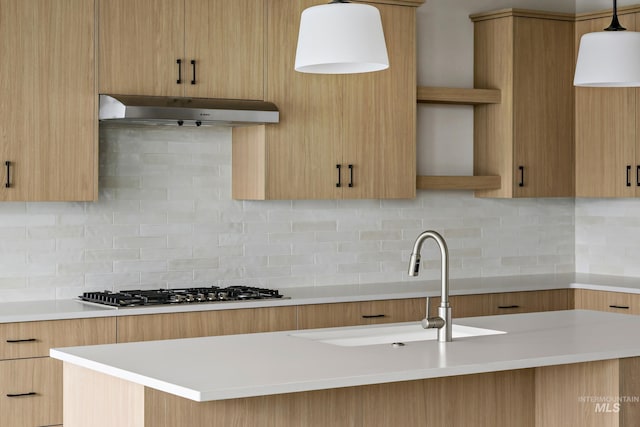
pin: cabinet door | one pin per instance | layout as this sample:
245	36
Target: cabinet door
31	392
543	108
302	151
605	132
49	131
205	323
379	119
225	38
139	44
360	313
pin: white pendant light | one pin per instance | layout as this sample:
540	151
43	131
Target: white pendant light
609	58
341	38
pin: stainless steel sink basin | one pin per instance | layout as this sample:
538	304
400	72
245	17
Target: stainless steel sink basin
387	334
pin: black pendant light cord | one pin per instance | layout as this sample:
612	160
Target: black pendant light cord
615	24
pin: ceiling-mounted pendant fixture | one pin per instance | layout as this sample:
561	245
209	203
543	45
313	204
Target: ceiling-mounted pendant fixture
609	58
341	38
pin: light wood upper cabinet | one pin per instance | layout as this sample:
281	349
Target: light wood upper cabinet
334	130
607	154
48	105
527	139
219	45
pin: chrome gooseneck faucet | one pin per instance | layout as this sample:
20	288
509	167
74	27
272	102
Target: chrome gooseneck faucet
443	321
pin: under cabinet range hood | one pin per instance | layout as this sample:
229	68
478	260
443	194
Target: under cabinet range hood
186	111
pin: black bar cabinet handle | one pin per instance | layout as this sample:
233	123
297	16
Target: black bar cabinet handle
623	307
628	172
521	183
31	393
339	183
22	340
350	175
8	183
179	62
193	65
508	306
373	316
638	176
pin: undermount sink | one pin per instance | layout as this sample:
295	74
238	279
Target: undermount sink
382	334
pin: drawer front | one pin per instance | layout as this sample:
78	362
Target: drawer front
205	323
34	339
505	303
31	392
360	313
614	302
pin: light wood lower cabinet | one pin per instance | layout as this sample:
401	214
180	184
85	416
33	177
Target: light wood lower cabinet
31	382
205	323
30	392
614	302
505	303
360	313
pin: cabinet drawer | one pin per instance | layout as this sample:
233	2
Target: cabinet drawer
505	303
360	313
205	323
614	302
34	339
31	392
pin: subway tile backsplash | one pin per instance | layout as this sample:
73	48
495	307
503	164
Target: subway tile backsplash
165	217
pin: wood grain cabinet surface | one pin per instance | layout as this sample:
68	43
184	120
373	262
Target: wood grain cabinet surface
360	313
527	139
49	140
219	46
30	381
607	142
339	136
205	323
614	302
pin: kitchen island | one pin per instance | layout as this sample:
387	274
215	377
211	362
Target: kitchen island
554	368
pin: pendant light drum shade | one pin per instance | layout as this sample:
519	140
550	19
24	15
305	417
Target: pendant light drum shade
608	59
341	38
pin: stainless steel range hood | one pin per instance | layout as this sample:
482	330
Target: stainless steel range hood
186	111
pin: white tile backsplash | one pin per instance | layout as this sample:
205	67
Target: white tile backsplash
165	218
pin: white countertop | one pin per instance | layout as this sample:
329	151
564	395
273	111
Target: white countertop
272	363
73	309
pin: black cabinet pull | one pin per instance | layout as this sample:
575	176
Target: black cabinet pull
628	179
23	340
193	66
31	393
508	306
373	316
521	183
350	175
339	183
638	176
8	183
622	307
179	62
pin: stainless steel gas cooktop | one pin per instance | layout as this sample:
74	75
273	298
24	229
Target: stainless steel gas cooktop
139	297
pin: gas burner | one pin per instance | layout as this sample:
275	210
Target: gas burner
138	297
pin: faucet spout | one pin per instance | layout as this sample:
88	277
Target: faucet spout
443	321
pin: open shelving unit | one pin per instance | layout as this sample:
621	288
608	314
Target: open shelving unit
457	96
